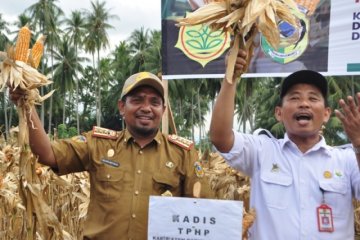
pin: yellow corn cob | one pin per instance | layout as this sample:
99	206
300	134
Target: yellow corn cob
37	51
22	44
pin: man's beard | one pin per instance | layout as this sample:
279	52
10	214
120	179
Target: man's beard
145	132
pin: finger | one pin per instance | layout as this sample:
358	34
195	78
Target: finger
342	118
345	108
358	101
352	106
240	60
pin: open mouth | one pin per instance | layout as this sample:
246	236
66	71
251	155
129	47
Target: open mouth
303	116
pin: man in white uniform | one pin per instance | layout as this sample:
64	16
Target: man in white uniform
301	187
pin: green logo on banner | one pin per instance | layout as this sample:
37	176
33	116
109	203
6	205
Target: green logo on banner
201	44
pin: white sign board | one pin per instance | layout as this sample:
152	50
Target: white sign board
194	219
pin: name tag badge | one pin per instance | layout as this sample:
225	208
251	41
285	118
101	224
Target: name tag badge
110	163
325	218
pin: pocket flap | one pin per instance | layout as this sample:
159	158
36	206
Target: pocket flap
109	174
277	178
165	179
332	185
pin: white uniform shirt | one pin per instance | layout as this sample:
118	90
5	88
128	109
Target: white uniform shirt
285	186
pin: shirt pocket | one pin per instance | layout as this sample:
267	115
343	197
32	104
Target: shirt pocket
166	181
277	189
109	183
335	195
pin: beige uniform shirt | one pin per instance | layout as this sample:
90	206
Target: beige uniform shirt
123	175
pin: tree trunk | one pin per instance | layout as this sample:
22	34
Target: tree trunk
98	112
51	98
77	94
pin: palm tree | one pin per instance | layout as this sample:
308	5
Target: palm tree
67	65
87	99
153	53
267	96
139	44
46	15
75	31
4	29
3	44
245	102
97	25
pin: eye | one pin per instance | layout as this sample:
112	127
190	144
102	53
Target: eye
314	98
156	102
136	100
294	98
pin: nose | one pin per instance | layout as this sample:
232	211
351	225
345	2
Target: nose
304	103
146	106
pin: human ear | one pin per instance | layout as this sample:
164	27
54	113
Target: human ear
278	114
121	107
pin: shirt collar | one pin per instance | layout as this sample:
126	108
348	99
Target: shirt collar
129	138
317	147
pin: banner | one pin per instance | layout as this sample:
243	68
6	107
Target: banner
327	41
194	219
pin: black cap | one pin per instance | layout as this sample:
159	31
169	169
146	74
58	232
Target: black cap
305	76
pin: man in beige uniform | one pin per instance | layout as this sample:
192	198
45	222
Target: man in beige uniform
125	167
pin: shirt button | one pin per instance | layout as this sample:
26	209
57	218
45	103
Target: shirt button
133	215
140	152
139	171
136	192
108	176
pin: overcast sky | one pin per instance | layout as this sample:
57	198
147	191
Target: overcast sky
133	14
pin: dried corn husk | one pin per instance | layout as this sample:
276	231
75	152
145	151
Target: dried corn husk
67	196
16	73
244	18
228	183
248	220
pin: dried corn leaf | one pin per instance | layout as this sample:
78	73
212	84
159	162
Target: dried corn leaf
204	14
241	17
269	30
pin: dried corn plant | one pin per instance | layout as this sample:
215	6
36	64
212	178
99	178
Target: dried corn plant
67	197
244	19
356	204
227	183
18	70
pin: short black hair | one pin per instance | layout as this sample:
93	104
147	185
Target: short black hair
308	77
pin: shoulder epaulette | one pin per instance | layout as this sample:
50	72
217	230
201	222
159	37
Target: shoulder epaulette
180	141
104	133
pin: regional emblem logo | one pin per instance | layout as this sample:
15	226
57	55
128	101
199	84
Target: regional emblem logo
293	40
201	44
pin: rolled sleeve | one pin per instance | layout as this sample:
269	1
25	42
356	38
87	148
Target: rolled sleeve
70	156
243	154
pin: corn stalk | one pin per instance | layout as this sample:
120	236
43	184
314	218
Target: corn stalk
18	70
